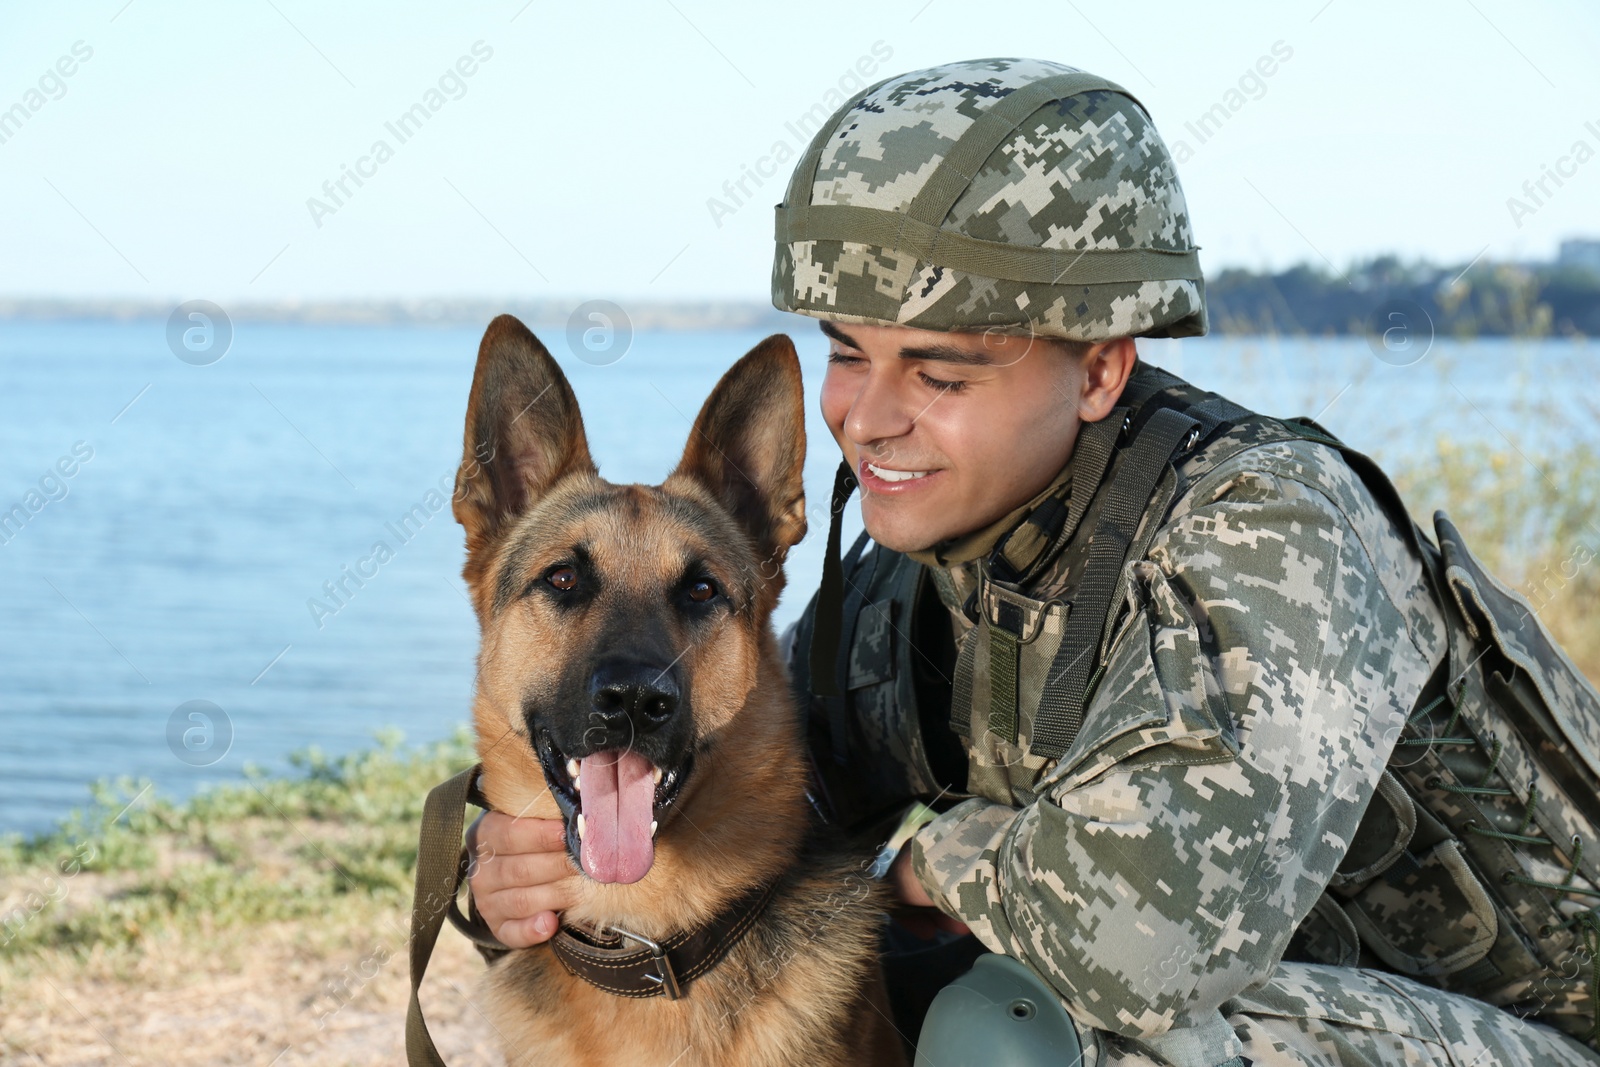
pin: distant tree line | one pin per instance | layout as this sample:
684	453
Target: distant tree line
1487	300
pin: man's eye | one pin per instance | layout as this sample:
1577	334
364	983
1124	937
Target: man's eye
941	384
842	359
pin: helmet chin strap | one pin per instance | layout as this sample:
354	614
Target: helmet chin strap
829	622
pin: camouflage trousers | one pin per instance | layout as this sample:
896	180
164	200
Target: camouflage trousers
1306	1014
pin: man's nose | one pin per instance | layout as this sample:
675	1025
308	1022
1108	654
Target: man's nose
880	410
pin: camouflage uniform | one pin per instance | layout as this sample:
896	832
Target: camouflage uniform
1276	630
1277	633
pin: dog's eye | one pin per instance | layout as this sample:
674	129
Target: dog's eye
702	590
563	578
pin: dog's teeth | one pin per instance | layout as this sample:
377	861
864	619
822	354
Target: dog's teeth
653	825
572	769
577	786
580	826
655	773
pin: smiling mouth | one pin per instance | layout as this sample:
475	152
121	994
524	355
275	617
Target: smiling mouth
612	802
890	475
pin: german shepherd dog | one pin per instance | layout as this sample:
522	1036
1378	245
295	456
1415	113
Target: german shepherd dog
629	683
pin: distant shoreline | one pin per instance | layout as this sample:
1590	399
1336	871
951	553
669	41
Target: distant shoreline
642	315
1375	299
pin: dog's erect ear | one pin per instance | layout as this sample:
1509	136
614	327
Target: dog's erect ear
523	433
748	445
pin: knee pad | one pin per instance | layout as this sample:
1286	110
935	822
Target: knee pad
998	1014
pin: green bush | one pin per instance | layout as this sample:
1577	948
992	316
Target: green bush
239	854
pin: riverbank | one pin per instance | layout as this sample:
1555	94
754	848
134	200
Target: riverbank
258	923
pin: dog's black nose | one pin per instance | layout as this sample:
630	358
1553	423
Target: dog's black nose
642	694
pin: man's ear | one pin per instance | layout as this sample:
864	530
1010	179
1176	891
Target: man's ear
1107	366
523	434
748	446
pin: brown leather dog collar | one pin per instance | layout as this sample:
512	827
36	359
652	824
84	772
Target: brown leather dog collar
607	960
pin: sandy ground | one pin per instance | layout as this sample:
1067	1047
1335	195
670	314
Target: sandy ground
268	1000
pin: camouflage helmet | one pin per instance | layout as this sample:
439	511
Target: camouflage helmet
1016	195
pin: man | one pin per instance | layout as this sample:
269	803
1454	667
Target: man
1151	734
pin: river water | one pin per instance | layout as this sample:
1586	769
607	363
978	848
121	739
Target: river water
206	506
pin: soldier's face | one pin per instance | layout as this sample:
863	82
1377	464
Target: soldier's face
948	432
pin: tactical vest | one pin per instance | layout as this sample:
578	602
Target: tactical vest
1465	866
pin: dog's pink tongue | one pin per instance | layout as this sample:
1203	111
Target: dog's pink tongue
618	803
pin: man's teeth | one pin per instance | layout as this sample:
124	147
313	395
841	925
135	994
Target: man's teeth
894	476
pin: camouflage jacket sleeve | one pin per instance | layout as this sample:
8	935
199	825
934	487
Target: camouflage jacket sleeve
1274	646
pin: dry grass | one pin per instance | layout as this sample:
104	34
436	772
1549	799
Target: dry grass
282	993
1534	521
259	923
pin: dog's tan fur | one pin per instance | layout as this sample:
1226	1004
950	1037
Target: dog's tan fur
803	986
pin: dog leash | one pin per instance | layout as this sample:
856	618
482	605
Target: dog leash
600	958
441	865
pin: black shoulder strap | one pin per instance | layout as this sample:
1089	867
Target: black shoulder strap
1134	493
839	709
825	623
1134	482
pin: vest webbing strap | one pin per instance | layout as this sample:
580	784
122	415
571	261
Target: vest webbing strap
1003	681
961	694
1134	481
1091	455
438	878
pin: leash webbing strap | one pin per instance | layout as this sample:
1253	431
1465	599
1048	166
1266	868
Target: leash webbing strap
438	867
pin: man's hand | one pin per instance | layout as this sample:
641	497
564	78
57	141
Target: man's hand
522	878
903	880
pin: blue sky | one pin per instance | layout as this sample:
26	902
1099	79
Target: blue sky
580	156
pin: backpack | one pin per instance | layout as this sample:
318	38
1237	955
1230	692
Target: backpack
1469	870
